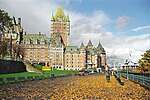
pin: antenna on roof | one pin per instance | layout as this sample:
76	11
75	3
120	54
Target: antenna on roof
60	4
99	37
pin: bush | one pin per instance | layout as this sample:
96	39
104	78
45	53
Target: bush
39	67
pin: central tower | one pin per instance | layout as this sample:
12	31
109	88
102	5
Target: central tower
60	24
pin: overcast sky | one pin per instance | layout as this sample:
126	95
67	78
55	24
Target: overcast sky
122	26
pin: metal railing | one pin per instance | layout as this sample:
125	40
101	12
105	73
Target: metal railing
141	79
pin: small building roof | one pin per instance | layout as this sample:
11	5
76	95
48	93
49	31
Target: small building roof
129	63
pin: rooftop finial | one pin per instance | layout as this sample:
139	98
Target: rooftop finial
60	4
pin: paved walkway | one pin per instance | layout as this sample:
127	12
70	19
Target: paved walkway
76	88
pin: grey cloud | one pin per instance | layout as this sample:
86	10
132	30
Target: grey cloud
122	22
35	14
85	27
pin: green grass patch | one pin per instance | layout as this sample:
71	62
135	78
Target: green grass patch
37	66
27	76
16	75
57	72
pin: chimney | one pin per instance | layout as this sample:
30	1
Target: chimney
39	33
19	21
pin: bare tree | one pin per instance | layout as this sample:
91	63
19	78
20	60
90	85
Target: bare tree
17	51
3	48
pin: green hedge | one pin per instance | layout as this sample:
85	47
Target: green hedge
39	67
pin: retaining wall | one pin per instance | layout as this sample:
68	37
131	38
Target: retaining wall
7	66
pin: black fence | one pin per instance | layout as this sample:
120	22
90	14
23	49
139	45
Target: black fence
144	74
7	66
139	78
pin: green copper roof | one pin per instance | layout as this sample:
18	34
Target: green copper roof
53	18
71	49
57	41
92	52
60	15
35	37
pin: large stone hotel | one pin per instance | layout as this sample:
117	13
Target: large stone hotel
55	51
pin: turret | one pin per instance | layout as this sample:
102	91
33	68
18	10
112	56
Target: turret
90	45
99	47
60	23
82	46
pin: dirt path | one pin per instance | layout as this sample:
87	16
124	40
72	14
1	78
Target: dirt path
76	88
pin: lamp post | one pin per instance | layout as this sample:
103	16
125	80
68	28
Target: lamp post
119	69
126	64
143	72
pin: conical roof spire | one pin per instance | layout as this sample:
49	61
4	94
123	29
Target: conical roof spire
82	46
90	43
53	18
60	15
99	46
67	18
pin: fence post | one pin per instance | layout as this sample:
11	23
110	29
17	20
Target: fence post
143	78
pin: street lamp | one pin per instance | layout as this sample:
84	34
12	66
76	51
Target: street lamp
126	65
143	71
